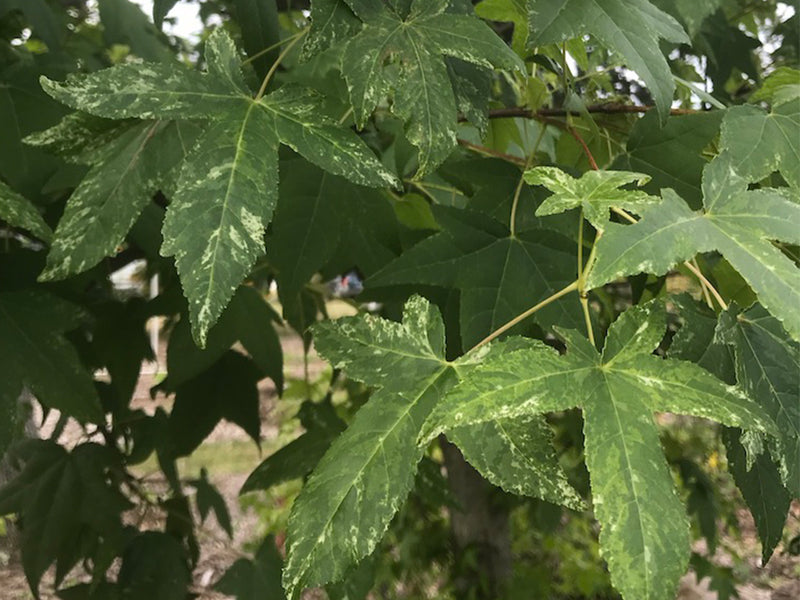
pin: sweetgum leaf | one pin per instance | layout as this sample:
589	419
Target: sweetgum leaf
351	496
644	531
17	211
596	192
500	275
671	154
401	56
631	28
35	354
227	187
735	221
759	142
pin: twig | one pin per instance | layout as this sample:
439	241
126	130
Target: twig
521	317
606	109
489	152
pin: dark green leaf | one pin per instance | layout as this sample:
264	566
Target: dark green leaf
255	579
154	567
258	20
19	212
124	23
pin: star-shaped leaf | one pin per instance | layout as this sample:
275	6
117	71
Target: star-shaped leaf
632	28
17	211
736	222
135	161
402	56
759	142
227	187
500	275
35	354
596	192
364	477
644	531
767	364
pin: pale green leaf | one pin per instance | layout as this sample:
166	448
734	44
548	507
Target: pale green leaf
17	211
759	142
644	531
780	86
214	226
517	456
631	28
596	192
736	222
513	11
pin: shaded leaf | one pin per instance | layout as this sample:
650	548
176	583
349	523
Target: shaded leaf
154	566
255	579
19	212
258	20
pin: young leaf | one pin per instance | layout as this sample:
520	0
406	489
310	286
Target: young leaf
499	275
17	211
35	354
631	28
759	142
404	55
644	532
227	187
736	222
597	192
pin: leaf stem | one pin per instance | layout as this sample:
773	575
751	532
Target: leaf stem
522	316
277	62
691	265
261	53
489	152
512	225
584	298
586	151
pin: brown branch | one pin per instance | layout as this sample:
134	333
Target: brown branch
607	109
586	151
489	152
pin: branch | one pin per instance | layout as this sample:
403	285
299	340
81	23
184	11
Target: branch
607	109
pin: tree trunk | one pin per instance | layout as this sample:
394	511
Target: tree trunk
480	530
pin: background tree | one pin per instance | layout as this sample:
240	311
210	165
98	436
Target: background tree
577	226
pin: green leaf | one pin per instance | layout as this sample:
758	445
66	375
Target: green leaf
403	57
227	187
736	222
517	456
208	499
767	362
44	23
124	23
250	320
596	192
62	497
19	212
255	579
154	566
512	11
297	458
691	13
106	204
672	154
227	391
780	86
160	10
332	22
644	532
631	28
480	257
258	20
759	142
35	354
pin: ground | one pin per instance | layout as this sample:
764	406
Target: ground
230	456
